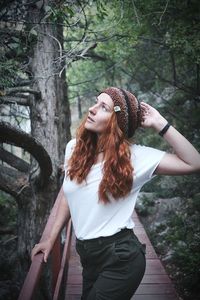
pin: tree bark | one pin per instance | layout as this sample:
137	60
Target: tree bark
79	107
50	123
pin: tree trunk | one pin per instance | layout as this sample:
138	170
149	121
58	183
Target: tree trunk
50	123
79	108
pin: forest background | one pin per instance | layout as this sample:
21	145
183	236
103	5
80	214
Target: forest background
55	57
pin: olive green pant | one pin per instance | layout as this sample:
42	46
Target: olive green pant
113	266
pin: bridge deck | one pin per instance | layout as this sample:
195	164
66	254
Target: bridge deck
156	284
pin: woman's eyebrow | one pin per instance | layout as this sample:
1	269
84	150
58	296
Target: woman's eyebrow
103	103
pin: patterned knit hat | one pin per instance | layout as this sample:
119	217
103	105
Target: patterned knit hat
127	109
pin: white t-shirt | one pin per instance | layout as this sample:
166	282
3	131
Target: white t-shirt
91	218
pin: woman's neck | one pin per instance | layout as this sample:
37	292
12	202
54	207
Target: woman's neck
99	157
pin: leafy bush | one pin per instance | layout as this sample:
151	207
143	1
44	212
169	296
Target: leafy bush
8	209
177	240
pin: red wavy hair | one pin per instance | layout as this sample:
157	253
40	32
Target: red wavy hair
117	169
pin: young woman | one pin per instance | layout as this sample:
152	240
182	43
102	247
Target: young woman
103	176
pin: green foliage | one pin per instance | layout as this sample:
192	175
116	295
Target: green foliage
8	71
183	237
146	206
8	210
101	9
59	11
177	240
14	55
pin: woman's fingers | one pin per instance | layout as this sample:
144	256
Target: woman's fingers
35	250
44	247
148	115
38	248
145	104
46	254
151	117
145	109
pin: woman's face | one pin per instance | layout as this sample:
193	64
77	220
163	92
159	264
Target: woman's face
100	113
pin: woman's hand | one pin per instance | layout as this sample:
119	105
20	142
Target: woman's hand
151	118
44	247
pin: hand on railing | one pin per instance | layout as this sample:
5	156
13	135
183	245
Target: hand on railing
44	247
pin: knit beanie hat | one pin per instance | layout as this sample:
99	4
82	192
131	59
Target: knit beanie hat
127	109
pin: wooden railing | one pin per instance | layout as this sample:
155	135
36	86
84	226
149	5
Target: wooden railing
59	262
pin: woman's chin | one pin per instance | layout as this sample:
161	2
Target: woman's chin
89	127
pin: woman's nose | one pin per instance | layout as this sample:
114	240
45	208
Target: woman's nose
93	109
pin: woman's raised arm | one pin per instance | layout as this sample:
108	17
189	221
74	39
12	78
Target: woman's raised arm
186	159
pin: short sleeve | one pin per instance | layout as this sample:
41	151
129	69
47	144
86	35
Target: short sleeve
145	160
68	151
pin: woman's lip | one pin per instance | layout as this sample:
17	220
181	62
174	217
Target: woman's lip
90	119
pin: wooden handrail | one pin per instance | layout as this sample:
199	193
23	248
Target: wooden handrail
32	278
64	262
58	265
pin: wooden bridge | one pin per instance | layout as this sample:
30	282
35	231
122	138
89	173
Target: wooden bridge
156	284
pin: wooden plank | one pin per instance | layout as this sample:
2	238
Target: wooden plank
150	253
152	297
143	238
73	297
155	289
75	279
136	219
156	279
154	266
139	230
74	271
74	289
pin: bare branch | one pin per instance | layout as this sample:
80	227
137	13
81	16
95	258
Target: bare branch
135	11
198	79
160	20
8	230
173	68
15	100
84	51
14	161
21	82
10	134
76	56
14	90
10	181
